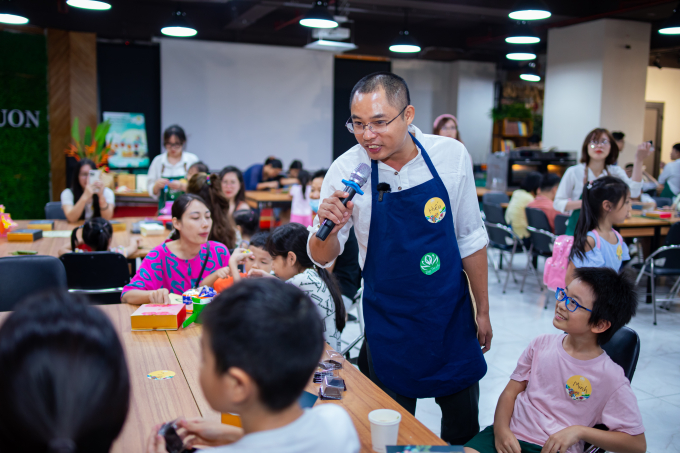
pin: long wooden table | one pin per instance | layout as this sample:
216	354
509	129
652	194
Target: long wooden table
260	198
51	246
157	401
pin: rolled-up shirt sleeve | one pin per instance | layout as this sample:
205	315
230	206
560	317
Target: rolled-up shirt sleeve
565	189
327	188
470	232
635	186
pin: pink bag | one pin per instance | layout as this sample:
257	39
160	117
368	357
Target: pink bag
555	271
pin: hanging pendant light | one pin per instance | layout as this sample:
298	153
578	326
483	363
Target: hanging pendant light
319	16
404	43
530	74
521	56
530	10
671	26
179	26
97	5
9	14
523	34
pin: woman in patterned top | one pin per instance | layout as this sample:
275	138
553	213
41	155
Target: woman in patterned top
177	265
288	246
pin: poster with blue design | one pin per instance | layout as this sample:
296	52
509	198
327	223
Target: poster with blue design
127	138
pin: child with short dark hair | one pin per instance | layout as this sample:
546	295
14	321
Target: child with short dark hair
545	195
261	342
255	256
566	384
64	385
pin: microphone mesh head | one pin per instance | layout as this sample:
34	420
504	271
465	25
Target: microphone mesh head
360	174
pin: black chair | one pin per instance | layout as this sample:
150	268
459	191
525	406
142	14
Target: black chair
624	350
495	198
100	275
54	211
503	239
542	241
494	213
561	224
669	267
23	276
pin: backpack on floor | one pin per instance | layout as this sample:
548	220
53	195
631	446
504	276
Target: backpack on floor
555	270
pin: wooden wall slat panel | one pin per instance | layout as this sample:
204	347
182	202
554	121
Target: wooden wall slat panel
72	72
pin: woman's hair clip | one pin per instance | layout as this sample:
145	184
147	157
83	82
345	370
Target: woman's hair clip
207	179
590	185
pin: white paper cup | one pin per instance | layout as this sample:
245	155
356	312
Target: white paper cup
384	428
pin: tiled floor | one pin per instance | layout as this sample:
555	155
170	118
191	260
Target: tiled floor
518	318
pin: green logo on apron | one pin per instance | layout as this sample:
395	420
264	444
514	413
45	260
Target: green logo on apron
429	264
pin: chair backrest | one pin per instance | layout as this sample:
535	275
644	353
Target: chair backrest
23	276
673	236
494	213
54	211
561	224
495	198
671	258
537	219
662	201
624	350
94	271
498	235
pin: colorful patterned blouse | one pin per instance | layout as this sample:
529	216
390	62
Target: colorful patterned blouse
162	269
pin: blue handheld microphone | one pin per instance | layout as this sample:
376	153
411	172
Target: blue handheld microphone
356	181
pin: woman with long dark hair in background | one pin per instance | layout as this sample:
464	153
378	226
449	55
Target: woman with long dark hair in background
209	189
87	198
231	181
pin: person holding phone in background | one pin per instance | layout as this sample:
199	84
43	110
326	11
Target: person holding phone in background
87	196
167	177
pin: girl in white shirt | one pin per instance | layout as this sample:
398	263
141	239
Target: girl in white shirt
86	199
598	157
301	210
288	247
170	168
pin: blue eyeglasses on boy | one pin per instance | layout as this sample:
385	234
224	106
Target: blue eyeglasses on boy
561	296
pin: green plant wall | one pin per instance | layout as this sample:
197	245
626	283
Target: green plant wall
24	145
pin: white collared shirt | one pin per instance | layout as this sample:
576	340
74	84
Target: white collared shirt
671	174
571	185
161	168
452	162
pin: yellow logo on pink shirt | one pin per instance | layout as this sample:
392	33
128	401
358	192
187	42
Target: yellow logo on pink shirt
578	388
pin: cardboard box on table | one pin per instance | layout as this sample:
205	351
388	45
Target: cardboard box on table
158	317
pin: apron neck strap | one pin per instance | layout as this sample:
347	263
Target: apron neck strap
374	165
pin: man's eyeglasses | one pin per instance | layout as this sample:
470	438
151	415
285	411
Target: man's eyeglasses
571	304
377	127
595	143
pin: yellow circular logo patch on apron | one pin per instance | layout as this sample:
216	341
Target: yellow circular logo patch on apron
578	388
161	374
435	210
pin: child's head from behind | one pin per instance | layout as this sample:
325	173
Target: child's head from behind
609	296
262	340
288	247
260	258
97	234
549	184
606	198
531	182
247	221
64	384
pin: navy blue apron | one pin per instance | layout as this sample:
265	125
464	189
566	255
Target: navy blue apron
420	328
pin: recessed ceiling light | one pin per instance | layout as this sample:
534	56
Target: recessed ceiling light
530	77
89	4
671	26
9	14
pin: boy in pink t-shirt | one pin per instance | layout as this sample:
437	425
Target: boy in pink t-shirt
566	384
